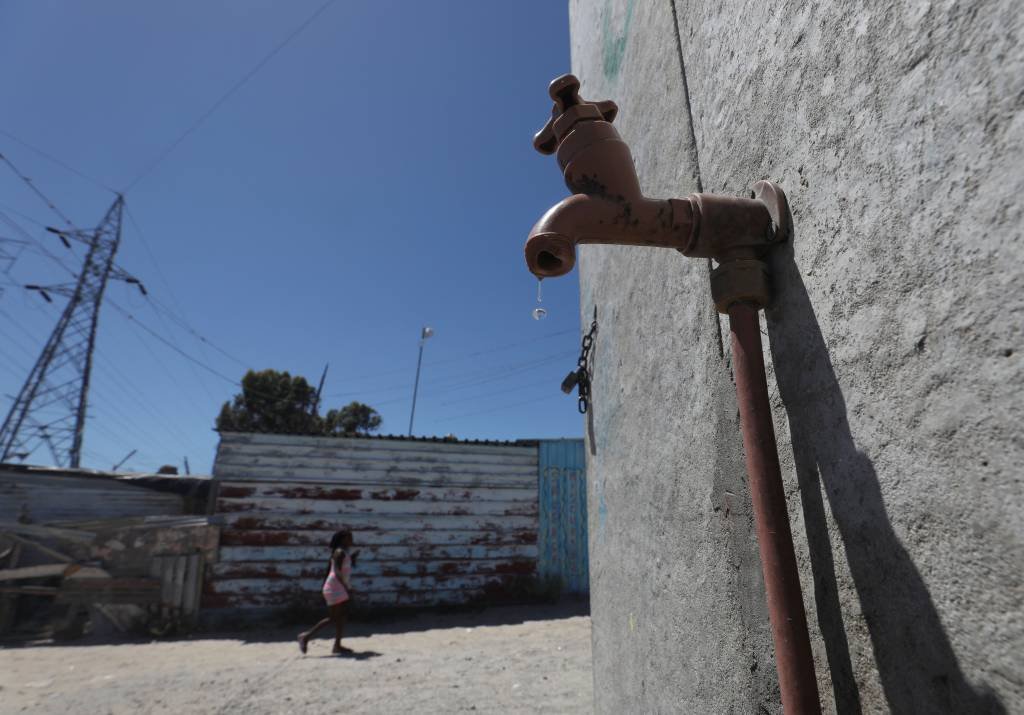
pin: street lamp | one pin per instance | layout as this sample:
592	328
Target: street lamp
424	334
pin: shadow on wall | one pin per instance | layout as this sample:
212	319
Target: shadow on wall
916	663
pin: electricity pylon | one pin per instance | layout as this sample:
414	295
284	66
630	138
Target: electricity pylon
50	409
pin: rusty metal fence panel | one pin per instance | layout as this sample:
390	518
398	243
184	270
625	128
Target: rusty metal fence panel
46	495
562	493
434	522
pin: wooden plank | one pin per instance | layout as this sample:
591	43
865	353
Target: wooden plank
354	444
14	527
238	490
433	597
178	580
273	454
375	466
110	590
284	506
291	537
378	553
9	601
166	580
41	548
318	568
361	585
43	571
30	590
380	478
193	584
51	570
76	571
175	521
376	522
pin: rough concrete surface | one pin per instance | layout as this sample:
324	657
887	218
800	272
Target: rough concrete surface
895	343
496	662
679	618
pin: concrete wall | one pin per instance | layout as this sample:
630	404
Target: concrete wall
895	339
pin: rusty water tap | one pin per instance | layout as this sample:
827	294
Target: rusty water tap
607	206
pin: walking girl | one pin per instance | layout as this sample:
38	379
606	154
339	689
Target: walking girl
337	591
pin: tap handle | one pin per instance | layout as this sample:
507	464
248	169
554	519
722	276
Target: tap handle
565	91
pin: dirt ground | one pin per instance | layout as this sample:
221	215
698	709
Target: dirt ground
502	660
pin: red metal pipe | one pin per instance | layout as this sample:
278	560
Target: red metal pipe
793	659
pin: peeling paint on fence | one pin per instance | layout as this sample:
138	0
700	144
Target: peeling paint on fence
434	522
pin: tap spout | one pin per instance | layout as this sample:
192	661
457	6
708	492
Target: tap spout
608	206
608	219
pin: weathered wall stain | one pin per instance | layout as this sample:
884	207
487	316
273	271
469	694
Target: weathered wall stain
614	43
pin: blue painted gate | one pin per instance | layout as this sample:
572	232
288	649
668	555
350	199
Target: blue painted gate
562	494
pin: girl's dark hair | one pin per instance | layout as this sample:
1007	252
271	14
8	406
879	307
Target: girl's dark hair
338	537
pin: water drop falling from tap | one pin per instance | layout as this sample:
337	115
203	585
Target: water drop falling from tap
539	313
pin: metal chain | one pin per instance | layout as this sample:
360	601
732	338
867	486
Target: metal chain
580	377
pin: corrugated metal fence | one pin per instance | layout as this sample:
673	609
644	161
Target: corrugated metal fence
562	541
42	495
434	522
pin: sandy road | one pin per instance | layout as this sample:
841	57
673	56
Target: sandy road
509	660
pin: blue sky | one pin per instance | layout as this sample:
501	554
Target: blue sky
376	175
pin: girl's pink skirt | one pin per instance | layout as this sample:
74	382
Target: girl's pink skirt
334	591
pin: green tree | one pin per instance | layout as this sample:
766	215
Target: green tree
272	401
353	418
276	402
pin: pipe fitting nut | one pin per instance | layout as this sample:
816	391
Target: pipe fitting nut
744	280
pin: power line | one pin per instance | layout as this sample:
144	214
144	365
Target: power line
36	242
62	371
115	377
157	305
184	325
35	189
513	370
458	384
515	388
107	402
57	161
227	95
501	408
191	367
171	345
448	361
20	368
118	440
114	414
24	216
47	253
505	373
96	457
201	414
184	354
139	399
154	303
127	388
